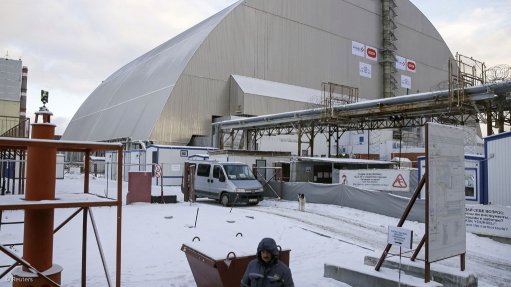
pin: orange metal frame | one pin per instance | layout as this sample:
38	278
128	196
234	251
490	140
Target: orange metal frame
83	203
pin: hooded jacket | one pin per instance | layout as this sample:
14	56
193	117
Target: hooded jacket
262	274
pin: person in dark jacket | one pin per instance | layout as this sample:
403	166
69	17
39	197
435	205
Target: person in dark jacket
267	270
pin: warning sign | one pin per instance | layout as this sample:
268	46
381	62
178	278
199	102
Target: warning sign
376	179
400	182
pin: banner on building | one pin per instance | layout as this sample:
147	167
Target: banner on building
358	49
377	179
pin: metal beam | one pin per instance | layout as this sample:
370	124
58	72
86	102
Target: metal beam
490	101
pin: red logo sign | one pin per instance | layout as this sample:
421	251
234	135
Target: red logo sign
411	66
371	53
400	182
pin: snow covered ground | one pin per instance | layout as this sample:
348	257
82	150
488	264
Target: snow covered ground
152	235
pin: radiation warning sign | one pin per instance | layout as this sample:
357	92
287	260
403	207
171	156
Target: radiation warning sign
376	179
400	182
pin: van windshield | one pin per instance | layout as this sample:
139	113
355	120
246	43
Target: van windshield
238	172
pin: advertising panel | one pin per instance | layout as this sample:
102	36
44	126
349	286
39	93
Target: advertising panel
446	192
376	179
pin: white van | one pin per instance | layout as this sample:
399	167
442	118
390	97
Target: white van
227	182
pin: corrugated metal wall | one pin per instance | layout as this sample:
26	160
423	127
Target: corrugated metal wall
297	42
498	170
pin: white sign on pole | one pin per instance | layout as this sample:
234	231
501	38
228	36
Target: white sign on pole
400	237
358	49
365	70
406	82
446	192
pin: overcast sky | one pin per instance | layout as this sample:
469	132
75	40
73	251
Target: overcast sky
70	46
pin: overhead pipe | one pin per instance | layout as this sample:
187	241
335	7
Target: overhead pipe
485	91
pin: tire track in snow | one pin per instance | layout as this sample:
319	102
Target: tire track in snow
341	227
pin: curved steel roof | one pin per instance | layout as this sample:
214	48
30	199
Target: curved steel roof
129	102
173	92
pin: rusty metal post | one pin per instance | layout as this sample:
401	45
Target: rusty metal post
418	249
38	228
489	123
22	174
192	183
299	153
86	172
232	138
280	174
84	247
427	272
311	143
501	121
186	182
403	218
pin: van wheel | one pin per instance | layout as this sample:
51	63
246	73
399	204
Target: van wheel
224	199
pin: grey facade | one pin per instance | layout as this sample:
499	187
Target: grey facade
174	91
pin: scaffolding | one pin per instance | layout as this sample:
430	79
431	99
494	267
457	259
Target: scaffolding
389	47
334	95
464	72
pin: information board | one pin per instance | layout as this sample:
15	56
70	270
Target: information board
376	179
400	237
491	220
446	192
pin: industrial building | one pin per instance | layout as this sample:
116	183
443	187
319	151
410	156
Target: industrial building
13	98
260	57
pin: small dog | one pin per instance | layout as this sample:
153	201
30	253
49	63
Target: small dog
301	201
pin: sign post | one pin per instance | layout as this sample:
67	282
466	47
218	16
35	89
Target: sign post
403	238
158	174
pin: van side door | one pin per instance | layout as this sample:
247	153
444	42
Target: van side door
202	179
219	181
